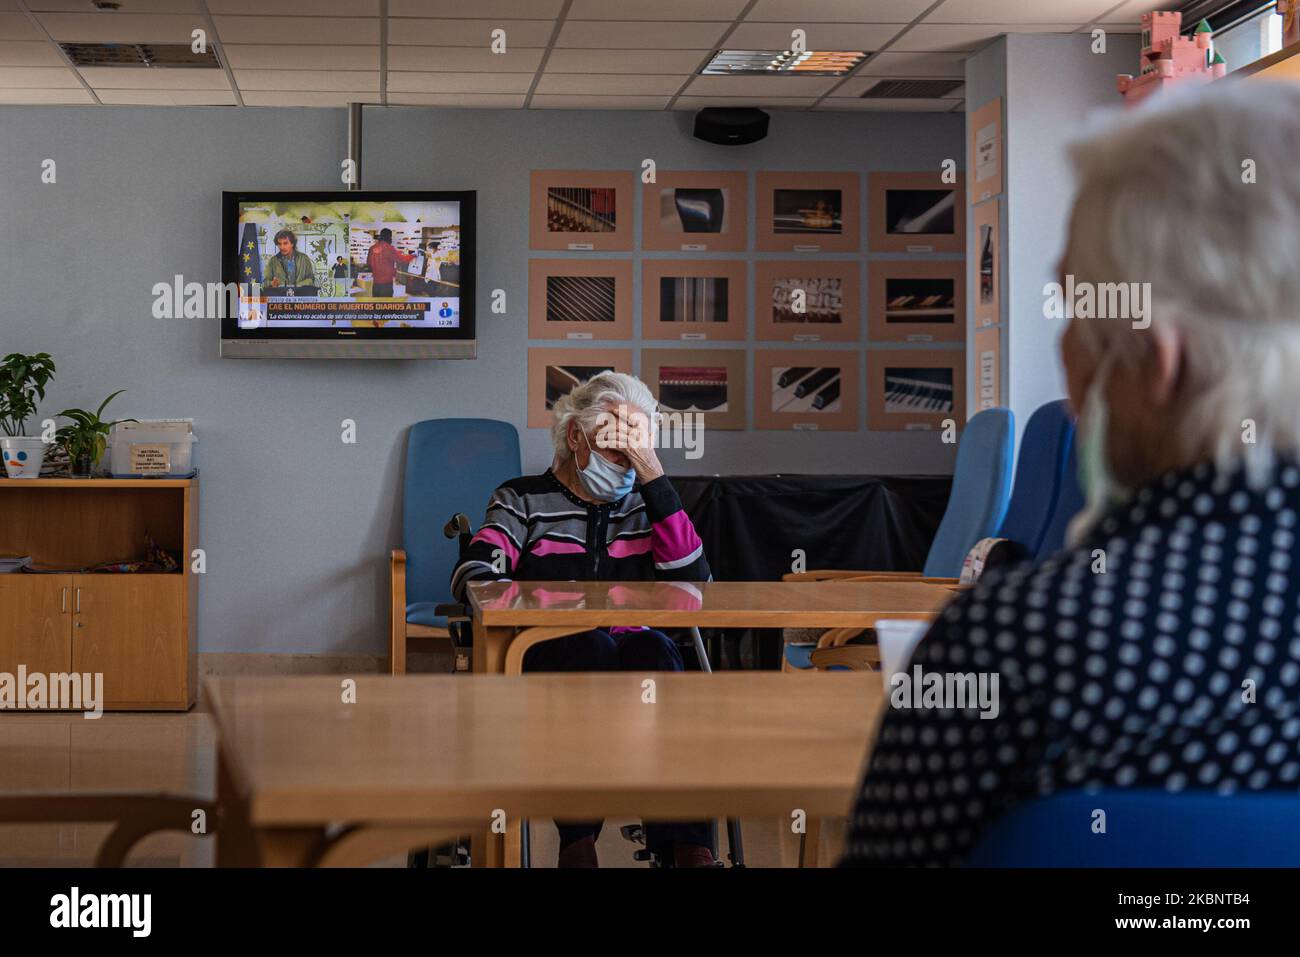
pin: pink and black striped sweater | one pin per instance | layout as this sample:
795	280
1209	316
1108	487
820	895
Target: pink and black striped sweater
537	530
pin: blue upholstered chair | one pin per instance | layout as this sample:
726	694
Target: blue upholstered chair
1040	477
1146	829
452	466
1069	503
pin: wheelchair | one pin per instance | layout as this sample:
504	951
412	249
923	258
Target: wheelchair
459	626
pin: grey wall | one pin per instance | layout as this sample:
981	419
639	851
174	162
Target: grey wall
1053	86
297	525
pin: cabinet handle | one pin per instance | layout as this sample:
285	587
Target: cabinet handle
78	607
64	601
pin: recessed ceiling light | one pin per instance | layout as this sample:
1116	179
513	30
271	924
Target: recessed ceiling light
770	62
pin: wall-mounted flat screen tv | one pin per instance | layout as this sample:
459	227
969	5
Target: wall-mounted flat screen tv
362	274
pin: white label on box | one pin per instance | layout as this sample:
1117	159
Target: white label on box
920	338
805	426
807	248
581	246
695	335
578	335
693	247
920	249
807	338
918	427
151	459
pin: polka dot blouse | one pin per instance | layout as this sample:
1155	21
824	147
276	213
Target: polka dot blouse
1162	653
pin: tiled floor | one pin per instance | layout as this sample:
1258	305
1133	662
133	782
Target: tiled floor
174	753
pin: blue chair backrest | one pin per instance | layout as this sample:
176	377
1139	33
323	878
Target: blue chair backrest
1147	829
1040	467
981	485
1069	502
452	465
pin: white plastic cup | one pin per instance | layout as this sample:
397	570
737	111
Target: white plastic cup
898	638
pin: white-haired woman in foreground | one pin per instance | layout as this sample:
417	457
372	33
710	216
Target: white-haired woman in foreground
603	511
1162	650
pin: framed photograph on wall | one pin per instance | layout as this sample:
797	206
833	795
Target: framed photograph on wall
916	301
988	264
708	381
692	300
988	368
984	154
695	211
580	299
915	388
580	209
916	213
808	212
806	301
552	374
806	389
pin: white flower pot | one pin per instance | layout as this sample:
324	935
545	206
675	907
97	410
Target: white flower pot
22	456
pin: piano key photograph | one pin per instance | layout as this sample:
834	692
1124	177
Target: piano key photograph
916	301
805	389
695	211
915	388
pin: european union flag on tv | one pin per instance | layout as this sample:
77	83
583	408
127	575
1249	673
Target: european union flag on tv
250	259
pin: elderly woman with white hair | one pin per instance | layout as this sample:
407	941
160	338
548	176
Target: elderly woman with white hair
1161	650
603	511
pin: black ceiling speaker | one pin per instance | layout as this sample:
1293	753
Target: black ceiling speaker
730	126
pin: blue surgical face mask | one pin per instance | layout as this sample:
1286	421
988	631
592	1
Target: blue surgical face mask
603	480
1101	490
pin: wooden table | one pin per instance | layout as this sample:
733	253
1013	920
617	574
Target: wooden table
511	617
305	779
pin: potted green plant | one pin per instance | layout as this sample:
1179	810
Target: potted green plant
87	436
22	382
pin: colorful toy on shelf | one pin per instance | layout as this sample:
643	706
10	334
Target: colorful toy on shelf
1169	59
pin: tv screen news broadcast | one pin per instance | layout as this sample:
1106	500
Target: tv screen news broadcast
362	273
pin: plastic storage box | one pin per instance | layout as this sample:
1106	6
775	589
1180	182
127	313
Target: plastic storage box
150	453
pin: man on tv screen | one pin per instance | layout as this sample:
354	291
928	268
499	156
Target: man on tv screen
382	261
290	272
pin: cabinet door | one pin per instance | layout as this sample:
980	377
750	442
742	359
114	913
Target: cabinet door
35	623
131	628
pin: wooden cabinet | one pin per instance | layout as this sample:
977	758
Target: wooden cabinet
137	630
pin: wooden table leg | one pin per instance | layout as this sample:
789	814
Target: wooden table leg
490	646
236	846
514	842
487	848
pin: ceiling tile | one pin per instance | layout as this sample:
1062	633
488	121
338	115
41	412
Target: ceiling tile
821	36
464	59
303	98
674	10
1018	11
328	30
622	84
333	81
838	11
773	86
481	9
890	63
167	97
556	102
762	102
1130	14
120	27
29	53
144	78
130	6
491	101
16	26
640	35
314	8
468	33
625	61
968	36
46	97
459	82
887	106
37	77
254	56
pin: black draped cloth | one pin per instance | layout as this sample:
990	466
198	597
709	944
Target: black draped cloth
751	524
